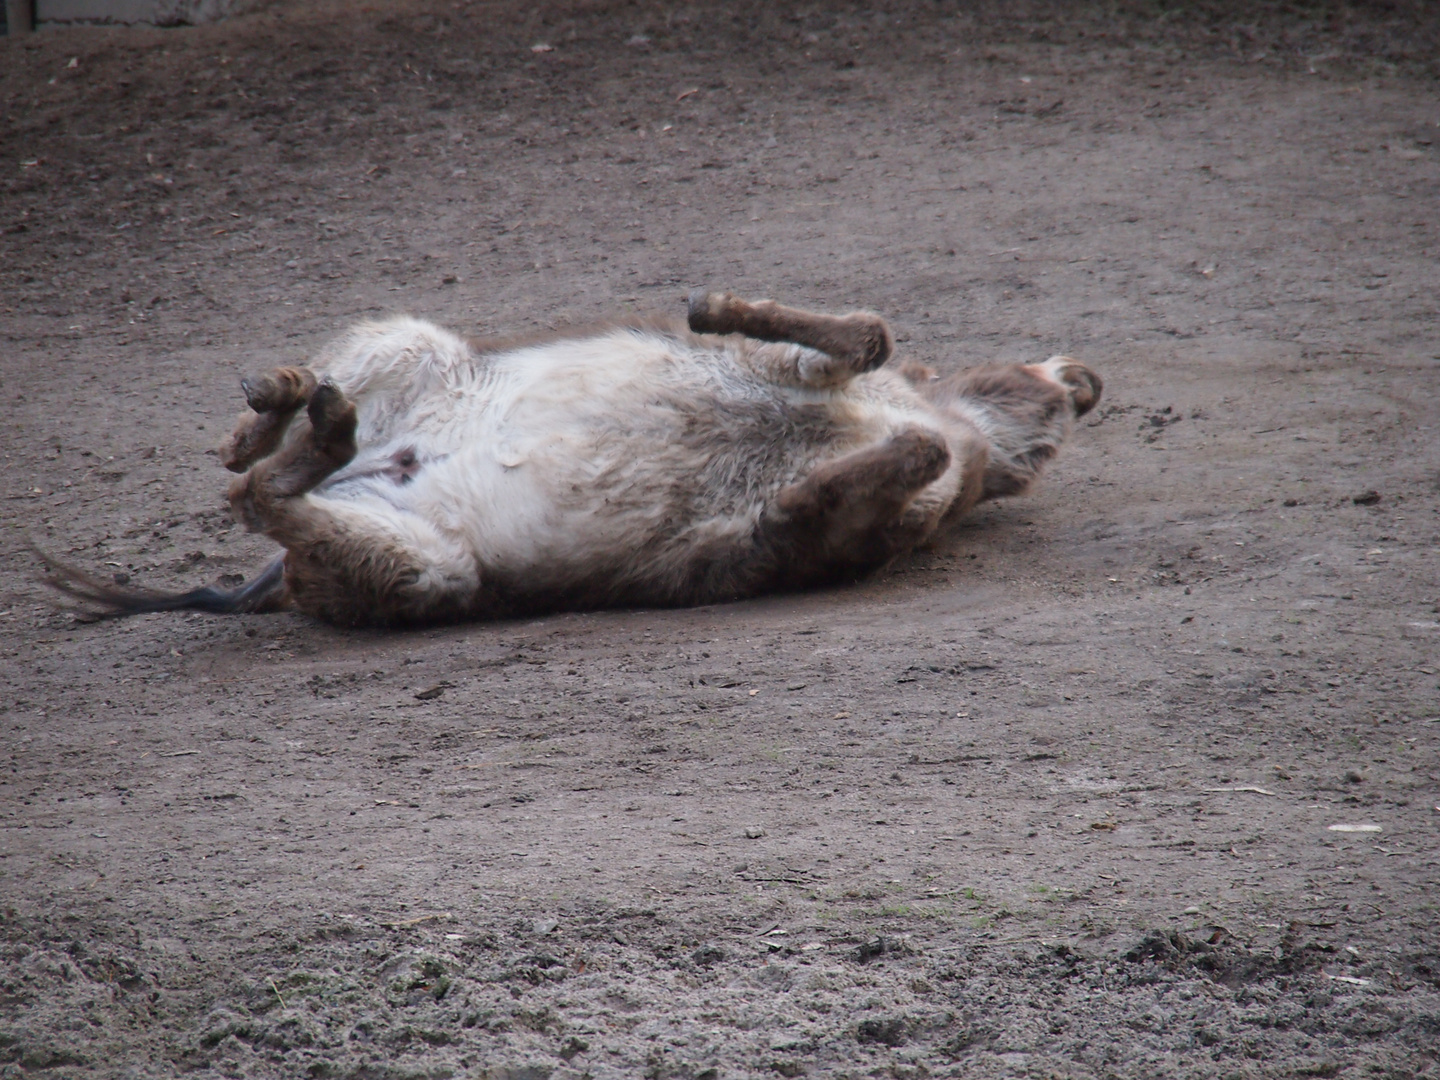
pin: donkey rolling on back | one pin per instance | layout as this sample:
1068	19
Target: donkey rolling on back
412	476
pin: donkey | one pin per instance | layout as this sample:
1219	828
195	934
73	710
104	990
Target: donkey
412	476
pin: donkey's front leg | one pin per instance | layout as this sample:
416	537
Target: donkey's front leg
866	507
836	348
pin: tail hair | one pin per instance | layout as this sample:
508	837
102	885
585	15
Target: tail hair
104	600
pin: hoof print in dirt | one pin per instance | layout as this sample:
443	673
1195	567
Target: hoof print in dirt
968	1039
887	1031
1166	946
881	946
1222	959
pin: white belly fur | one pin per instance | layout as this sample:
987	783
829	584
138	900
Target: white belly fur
582	451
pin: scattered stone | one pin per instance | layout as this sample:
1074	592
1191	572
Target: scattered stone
1366	498
707	955
753	832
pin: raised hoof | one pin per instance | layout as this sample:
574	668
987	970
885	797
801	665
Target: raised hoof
332	416
872	341
709	312
925	455
1082	384
280	390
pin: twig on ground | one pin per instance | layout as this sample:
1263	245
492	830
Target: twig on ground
1256	790
416	921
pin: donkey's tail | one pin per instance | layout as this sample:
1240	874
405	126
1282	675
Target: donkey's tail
265	592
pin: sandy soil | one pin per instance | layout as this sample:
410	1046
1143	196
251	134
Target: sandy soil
1059	797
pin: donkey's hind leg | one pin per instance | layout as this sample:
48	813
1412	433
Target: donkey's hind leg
834	348
329	445
274	399
861	509
351	562
358	562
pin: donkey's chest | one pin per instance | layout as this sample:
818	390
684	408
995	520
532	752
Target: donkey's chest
541	474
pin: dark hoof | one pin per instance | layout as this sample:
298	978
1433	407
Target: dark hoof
873	341
706	311
281	390
926	457
259	393
332	416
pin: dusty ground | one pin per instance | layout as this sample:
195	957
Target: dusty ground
1056	798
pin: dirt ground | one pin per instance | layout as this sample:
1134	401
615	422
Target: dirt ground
1135	776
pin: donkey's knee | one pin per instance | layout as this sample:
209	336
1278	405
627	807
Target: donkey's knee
860	510
869	483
